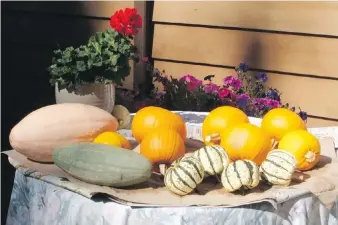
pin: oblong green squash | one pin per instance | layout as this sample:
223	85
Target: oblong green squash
103	164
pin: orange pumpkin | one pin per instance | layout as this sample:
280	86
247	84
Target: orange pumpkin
162	146
246	141
152	118
220	119
304	146
279	121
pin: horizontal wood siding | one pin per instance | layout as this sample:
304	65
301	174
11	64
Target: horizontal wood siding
276	52
292	41
301	17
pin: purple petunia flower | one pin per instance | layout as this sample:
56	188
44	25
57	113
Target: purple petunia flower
303	115
273	94
244	67
262	77
242	100
233	82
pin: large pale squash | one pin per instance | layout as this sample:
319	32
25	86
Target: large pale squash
40	132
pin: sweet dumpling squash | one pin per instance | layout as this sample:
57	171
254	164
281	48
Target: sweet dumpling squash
213	158
278	167
184	175
240	174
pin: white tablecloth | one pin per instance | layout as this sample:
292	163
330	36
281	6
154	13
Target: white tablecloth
35	202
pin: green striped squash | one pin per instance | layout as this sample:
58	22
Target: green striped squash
278	167
240	174
213	158
184	175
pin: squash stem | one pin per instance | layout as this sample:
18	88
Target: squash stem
213	138
274	144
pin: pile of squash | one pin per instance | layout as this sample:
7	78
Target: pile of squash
243	154
83	141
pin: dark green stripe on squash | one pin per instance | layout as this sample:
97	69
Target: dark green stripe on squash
227	177
188	174
182	180
285	160
218	153
209	159
237	173
275	164
272	175
85	161
250	167
173	182
196	168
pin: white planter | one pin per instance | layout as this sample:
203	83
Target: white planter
99	95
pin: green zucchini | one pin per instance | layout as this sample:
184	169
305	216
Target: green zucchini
102	164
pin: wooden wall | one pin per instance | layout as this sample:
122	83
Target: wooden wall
30	31
296	43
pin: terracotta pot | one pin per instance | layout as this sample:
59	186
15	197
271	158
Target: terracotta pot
99	95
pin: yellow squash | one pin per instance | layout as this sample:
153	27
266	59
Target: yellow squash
246	141
220	119
279	121
304	146
114	139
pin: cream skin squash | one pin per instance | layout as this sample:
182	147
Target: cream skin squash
38	134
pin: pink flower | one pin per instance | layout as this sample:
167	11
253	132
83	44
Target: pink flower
145	59
211	88
223	93
270	103
192	82
233	82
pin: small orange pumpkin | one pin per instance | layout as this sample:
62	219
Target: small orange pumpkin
220	119
114	139
246	141
279	121
304	146
162	146
152	118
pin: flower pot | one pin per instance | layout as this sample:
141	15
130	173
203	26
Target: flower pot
99	95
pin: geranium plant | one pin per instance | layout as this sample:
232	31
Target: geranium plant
104	59
243	90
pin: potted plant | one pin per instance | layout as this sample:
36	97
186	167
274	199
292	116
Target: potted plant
244	90
88	74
